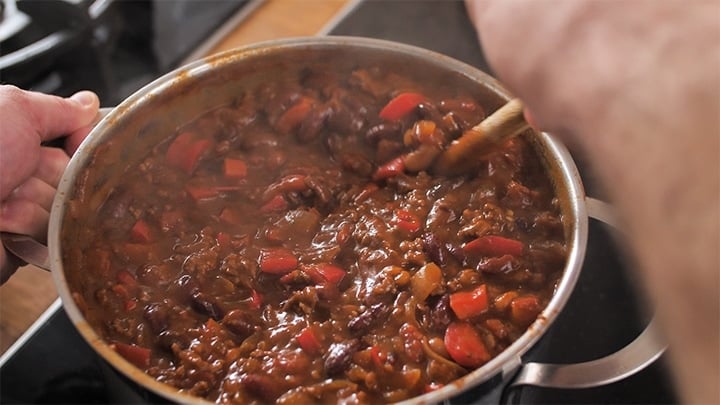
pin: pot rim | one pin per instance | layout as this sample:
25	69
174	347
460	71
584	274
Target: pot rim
558	161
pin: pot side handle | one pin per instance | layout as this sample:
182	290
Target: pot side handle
634	357
25	247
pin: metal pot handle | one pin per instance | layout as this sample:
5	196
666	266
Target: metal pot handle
634	357
25	247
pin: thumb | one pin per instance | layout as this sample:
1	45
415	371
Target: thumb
56	116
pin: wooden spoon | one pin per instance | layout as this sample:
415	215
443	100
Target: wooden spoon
463	153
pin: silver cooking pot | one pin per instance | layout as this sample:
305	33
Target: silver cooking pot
172	100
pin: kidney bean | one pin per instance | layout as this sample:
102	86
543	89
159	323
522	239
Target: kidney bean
362	323
339	356
204	304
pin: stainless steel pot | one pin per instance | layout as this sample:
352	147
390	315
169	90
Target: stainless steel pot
177	97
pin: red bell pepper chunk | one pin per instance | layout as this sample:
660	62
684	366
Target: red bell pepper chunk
277	203
491	245
125	277
277	261
324	273
201	192
465	345
406	221
378	357
294	115
231	216
390	169
234	168
309	341
401	105
185	151
141	232
137	355
466	304
256	299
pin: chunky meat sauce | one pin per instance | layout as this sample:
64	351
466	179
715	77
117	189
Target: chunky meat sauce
293	247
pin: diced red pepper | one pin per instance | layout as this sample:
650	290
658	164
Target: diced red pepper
168	219
407	221
324	273
292	182
126	278
199	193
141	232
467	304
277	261
234	168
524	309
256	299
378	357
390	169
185	151
231	216
277	203
137	355
223	239
130	304
294	116
401	105
491	245
465	345
309	341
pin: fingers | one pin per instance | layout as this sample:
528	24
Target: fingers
56	116
51	165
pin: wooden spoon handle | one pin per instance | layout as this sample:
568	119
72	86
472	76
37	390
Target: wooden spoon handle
505	123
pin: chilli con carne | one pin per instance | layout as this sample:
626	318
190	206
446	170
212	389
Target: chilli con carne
291	248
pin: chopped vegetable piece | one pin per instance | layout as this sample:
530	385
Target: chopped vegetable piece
185	151
524	309
137	355
425	280
467	304
231	216
294	116
401	105
324	273
309	341
406	221
491	245
141	232
465	345
256	299
199	193
390	169
277	203
126	278
277	261
234	168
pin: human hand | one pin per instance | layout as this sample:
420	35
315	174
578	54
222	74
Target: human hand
30	172
635	87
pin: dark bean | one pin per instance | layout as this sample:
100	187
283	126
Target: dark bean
497	265
202	303
440	313
312	125
362	323
260	386
166	339
428	111
156	315
339	356
239	323
435	250
385	130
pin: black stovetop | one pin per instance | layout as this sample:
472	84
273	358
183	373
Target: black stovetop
605	312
